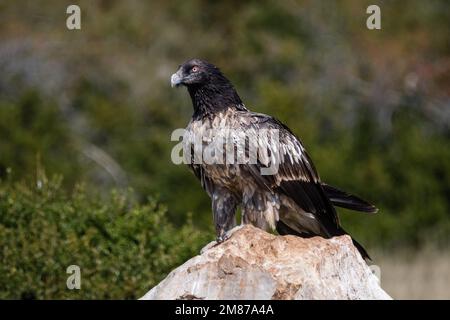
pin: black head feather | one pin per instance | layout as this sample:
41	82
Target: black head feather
209	89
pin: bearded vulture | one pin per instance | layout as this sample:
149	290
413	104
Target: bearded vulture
271	177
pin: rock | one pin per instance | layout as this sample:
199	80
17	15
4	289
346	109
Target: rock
253	264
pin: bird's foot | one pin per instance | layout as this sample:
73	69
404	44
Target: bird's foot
214	243
220	239
227	235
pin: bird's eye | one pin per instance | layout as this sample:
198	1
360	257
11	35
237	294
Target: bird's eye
194	69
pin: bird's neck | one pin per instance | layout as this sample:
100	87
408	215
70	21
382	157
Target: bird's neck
211	99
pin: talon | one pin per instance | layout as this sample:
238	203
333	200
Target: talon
222	238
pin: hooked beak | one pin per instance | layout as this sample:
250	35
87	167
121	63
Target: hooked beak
176	79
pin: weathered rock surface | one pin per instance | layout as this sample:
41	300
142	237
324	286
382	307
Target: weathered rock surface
254	264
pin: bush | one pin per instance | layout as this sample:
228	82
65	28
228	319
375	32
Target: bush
122	248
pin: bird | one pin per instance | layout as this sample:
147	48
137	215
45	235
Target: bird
291	199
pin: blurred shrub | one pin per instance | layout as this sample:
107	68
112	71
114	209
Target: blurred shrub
123	248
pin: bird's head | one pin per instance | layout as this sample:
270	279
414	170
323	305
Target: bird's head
209	89
195	73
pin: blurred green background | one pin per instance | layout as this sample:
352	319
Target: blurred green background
86	117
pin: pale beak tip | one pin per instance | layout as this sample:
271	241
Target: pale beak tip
175	80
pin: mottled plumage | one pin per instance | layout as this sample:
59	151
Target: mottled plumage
292	200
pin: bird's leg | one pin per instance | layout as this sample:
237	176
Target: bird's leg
224	209
224	224
224	206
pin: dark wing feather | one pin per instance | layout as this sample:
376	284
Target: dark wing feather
346	200
297	177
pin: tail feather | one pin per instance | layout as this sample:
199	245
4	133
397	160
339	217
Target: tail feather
346	200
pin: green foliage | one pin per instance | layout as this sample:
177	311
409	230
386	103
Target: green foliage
122	248
31	128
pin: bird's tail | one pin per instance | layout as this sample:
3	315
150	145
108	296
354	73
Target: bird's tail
346	200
